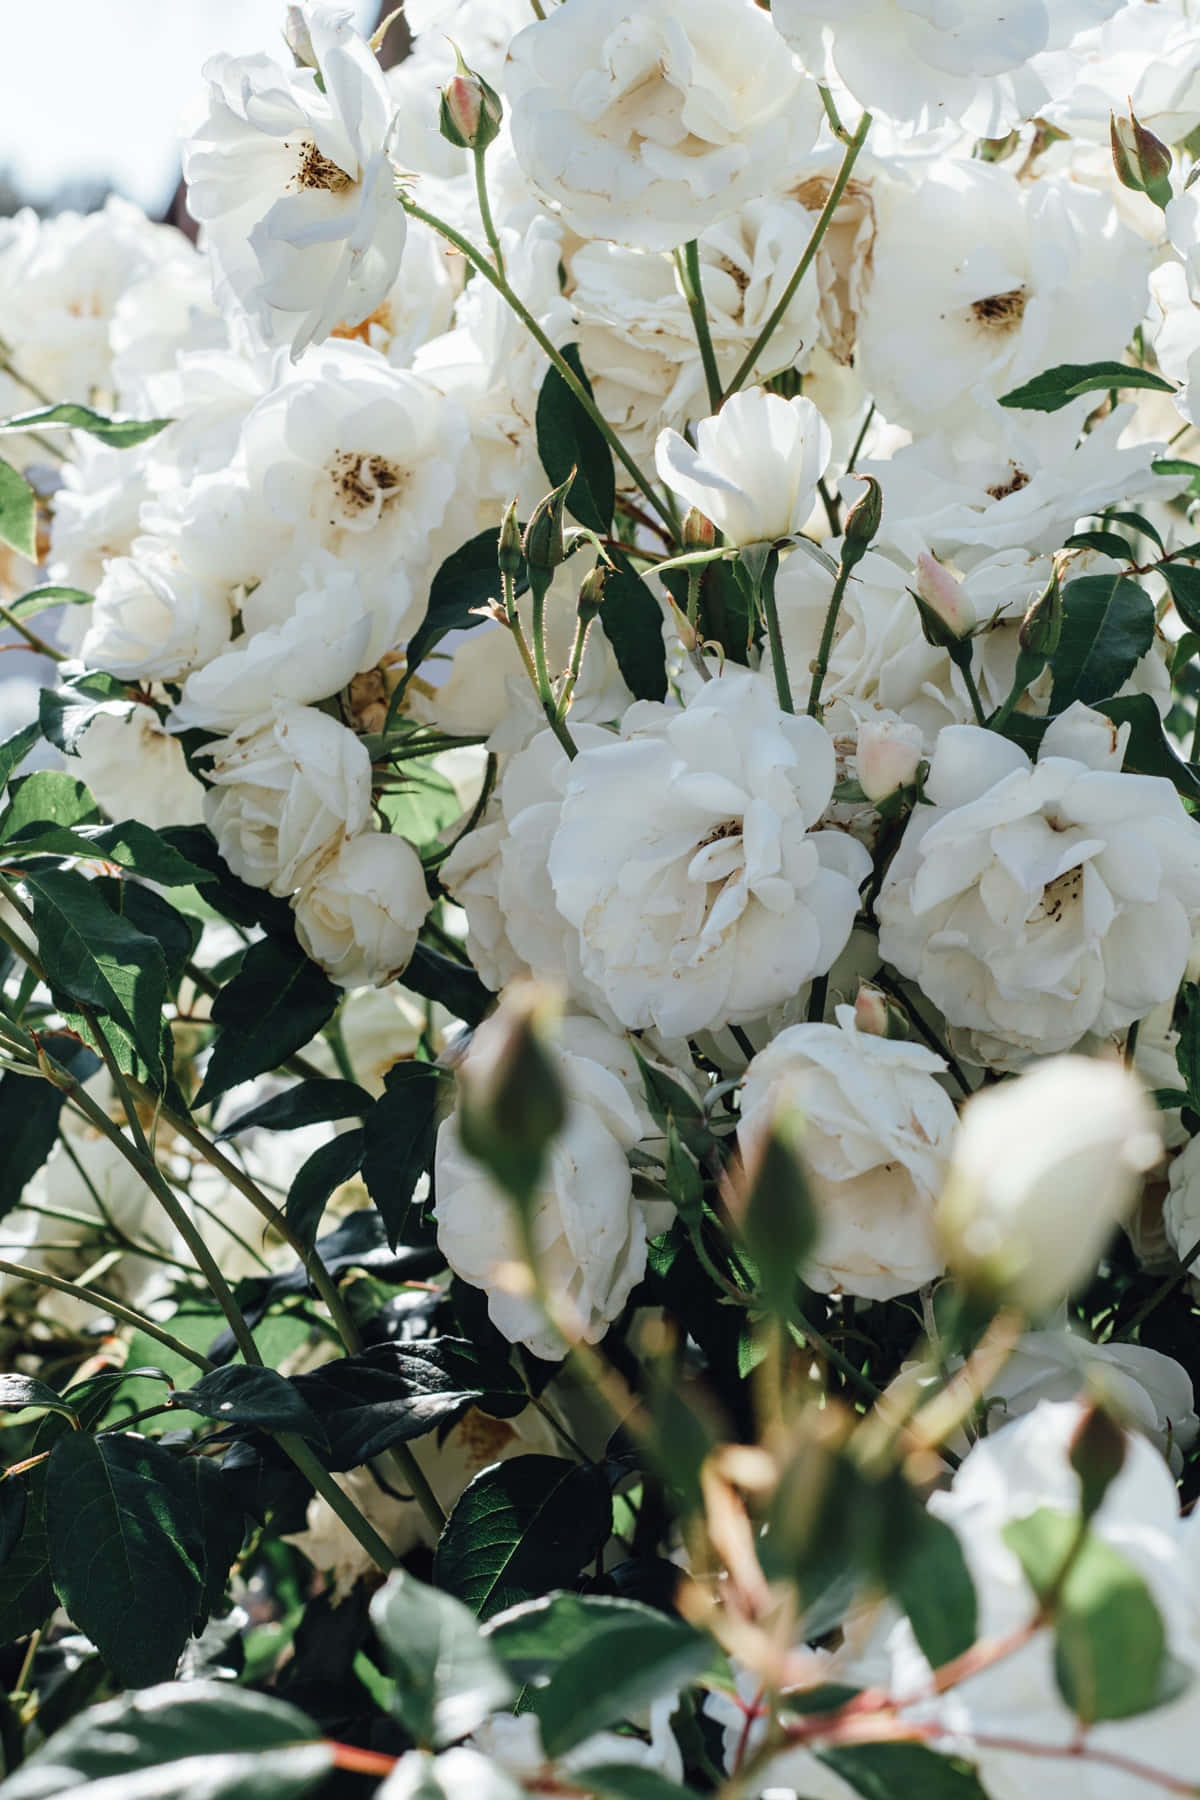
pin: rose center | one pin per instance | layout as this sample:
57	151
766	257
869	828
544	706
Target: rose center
317	171
1058	897
363	484
1000	313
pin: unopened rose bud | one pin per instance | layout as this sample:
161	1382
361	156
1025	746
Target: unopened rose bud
591	593
508	555
1142	161
888	756
875	1015
511	1099
1043	1170
298	39
471	109
1041	628
698	533
947	616
862	523
774	1206
544	545
1097	1455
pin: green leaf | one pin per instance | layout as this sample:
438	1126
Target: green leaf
205	1740
64	713
42	599
519	1528
118	434
47	797
626	1662
1111	1657
308	1103
447	1676
930	1579
20	1391
14	1505
1108	543
628	1781
1178	465
178	933
131	845
453	984
1057	387
1149	750
18	512
1136	521
569	438
401	1130
15	749
422	806
1108	626
631	619
95	957
126	1549
238	1395
223	1524
275	1004
1183	582
26	1590
469	578
330	1165
29	1114
1187	1050
903	1772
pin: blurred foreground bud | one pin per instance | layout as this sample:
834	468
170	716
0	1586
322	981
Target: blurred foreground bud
697	533
774	1207
544	545
887	757
1043	1170
471	109
511	1103
862	523
878	1016
1142	161
947	616
508	555
1097	1455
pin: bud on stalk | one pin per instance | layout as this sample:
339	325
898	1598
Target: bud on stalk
591	593
471	109
876	1015
947	616
1142	161
698	533
862	523
544	544
508	555
511	1103
1097	1455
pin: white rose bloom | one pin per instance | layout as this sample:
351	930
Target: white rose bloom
286	795
294	188
755	468
136	769
1043	1170
153	618
1181	1208
589	1231
687	859
646	126
360	914
1145	59
1036	902
876	1143
923	62
975	284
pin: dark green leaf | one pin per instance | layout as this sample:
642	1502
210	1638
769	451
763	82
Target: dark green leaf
631	619
64	713
308	1103
104	961
419	809
519	1528
1187	1051
15	749
569	438
1149	750
239	1395
1108	543
668	1099
1108	626
29	1113
1177	465
45	798
126	1549
118	434
447	1677
633	1655
19	1391
223	1524
275	1003
14	1505
628	1781
929	1577
206	1740
18	512
233	899
1183	581
318	1177
454	985
468	578
1136	521
178	933
401	1130
903	1772
1057	387
26	1591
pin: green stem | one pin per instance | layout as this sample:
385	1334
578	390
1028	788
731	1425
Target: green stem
687	265
539	584
853	146
582	627
306	1460
485	212
104	1303
821	665
32	638
770	612
972	691
663	507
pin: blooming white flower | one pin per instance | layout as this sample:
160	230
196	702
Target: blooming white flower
1043	1170
360	913
1181	1208
1037	902
687	859
588	1231
153	617
646	126
286	795
877	1134
136	769
292	183
755	468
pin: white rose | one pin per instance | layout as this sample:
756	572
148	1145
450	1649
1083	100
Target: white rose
1181	1208
360	913
589	1232
1043	1171
294	188
755	468
877	1132
1037	902
136	769
286	795
687	859
645	125
153	618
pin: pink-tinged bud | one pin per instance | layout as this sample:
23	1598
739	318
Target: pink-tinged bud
1142	161
941	594
471	110
877	1016
888	756
698	533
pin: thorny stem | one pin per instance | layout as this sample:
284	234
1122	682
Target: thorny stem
972	690
539	583
821	665
104	1303
770	612
687	266
853	146
485	212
